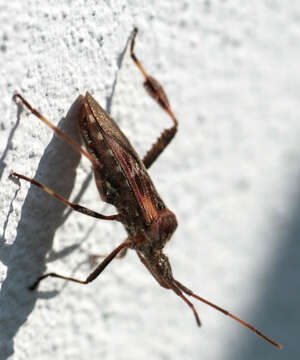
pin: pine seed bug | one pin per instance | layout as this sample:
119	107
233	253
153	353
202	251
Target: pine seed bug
123	181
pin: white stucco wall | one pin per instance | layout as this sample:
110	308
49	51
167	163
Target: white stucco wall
232	174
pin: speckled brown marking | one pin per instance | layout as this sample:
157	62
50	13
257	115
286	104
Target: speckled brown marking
122	180
99	136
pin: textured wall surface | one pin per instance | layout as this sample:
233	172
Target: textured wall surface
232	174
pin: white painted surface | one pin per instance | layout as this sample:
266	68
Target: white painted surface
230	69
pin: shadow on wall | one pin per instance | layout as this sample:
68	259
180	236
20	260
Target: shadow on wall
8	144
277	307
40	217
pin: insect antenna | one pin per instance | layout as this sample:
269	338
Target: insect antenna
187	291
179	293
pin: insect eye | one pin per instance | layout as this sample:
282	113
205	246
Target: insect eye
167	224
160	205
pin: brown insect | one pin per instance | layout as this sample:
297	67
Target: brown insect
123	181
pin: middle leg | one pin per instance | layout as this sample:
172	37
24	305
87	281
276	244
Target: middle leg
75	207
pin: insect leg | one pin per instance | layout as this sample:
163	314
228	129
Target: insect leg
58	132
132	240
156	91
92	276
75	207
225	312
94	257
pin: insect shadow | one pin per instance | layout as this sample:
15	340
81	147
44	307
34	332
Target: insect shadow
9	142
41	216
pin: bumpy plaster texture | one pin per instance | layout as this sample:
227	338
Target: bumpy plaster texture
230	69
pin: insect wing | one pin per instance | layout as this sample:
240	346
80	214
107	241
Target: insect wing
129	161
137	177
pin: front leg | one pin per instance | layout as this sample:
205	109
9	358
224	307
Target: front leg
92	276
156	91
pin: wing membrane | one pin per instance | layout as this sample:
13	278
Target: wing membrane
137	177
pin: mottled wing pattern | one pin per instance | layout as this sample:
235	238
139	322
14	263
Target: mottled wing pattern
129	161
137	177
